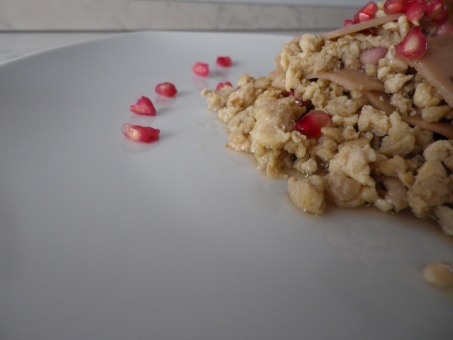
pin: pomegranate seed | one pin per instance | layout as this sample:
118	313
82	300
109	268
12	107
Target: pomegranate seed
367	12
437	12
201	69
224	62
372	56
395	6
348	22
416	11
138	133
361	17
144	106
166	89
413	46
222	85
311	124
370	8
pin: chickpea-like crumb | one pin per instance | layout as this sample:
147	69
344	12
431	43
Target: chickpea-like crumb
439	274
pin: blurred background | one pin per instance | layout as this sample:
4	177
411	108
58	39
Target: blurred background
130	15
30	26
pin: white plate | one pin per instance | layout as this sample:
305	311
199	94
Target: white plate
182	239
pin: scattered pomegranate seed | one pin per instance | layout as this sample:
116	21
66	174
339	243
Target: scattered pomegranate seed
413	46
138	133
416	11
372	56
311	124
361	17
367	12
395	6
370	8
437	12
222	85
201	69
224	62
348	22
419	12
166	89
144	106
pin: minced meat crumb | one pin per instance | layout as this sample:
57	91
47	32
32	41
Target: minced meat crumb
371	154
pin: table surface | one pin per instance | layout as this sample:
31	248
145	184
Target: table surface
121	15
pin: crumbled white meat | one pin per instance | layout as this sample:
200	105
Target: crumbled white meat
431	188
369	155
396	193
373	120
444	216
307	193
274	123
354	162
441	150
347	192
425	95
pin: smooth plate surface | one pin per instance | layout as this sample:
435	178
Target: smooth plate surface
182	239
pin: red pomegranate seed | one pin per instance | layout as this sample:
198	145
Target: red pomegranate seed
413	46
361	17
138	133
372	56
437	12
201	69
224	62
348	22
144	106
222	85
367	12
416	11
166	89
311	124
370	8
395	6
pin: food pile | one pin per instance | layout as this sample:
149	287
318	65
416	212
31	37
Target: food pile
358	116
